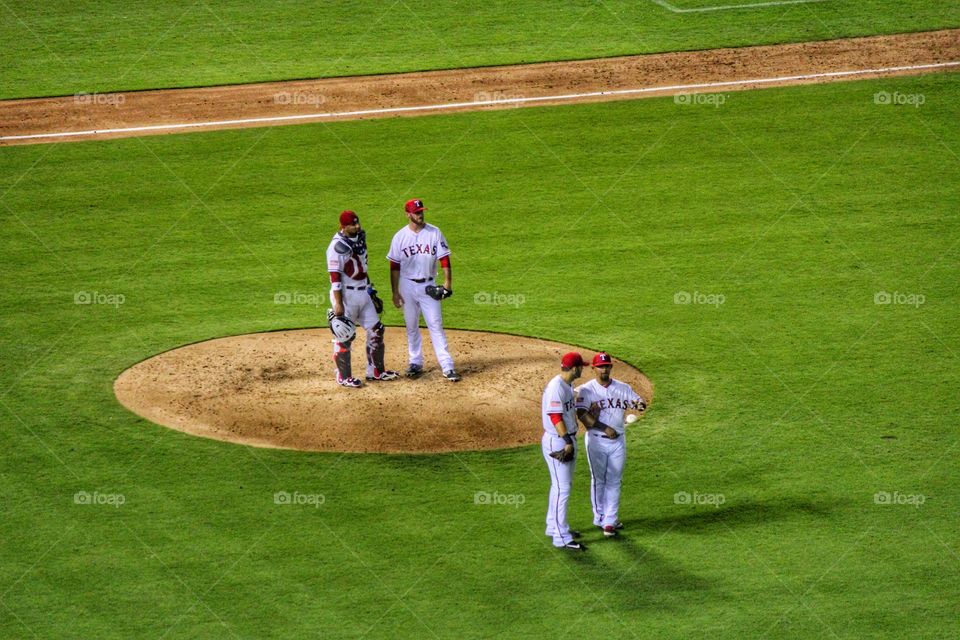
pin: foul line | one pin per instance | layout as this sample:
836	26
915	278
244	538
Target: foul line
481	103
669	7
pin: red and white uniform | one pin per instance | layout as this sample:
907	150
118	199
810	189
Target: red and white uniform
348	274
415	254
607	457
558	402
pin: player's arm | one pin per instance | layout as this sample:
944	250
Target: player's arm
334	268
561	427
444	257
447	273
638	401
395	284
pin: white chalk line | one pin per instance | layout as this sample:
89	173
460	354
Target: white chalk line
753	5
480	103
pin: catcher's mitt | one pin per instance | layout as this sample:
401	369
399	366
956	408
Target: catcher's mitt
341	327
438	293
563	455
375	299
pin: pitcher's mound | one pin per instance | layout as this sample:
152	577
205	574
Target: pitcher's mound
277	389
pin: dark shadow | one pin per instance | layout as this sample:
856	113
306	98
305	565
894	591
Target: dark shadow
640	578
706	519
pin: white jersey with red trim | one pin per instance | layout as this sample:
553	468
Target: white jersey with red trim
613	400
342	258
558	397
417	252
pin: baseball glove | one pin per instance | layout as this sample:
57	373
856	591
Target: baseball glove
375	299
438	293
563	455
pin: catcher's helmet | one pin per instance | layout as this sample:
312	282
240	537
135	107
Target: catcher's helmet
342	327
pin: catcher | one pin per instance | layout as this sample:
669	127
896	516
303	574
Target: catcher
354	301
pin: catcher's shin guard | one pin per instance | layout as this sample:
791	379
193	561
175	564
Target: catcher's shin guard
375	347
341	357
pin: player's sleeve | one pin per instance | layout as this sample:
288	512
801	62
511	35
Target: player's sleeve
443	250
394	254
554	403
583	397
334	267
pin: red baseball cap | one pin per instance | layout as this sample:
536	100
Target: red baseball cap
348	217
571	360
414	206
602	360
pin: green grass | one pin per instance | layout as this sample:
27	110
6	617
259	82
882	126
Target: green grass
797	205
85	46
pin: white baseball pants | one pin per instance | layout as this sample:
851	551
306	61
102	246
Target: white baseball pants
606	458
561	479
415	302
358	306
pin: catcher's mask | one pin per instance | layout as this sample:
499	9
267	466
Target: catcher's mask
341	327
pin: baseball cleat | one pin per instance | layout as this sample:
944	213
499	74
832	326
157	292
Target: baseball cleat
414	371
350	382
384	375
609	531
617	526
574	546
451	375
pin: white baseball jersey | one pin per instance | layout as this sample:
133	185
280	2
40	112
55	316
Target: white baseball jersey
417	252
558	398
343	259
613	400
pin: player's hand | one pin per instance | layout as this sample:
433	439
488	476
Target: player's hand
337	309
397	299
610	433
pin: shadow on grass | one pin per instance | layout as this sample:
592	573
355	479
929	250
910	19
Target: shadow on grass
705	519
623	575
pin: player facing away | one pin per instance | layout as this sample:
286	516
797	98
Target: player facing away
601	404
559	445
351	297
414	253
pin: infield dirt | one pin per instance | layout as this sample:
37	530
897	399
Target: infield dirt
277	389
338	99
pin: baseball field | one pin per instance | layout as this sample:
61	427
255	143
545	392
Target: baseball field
782	264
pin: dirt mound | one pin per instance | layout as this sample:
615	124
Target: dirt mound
277	389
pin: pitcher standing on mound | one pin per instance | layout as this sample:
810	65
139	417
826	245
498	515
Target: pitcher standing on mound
414	253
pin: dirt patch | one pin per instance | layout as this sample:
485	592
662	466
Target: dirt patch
277	390
355	97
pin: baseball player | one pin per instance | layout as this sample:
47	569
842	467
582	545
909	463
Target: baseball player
353	296
414	253
559	445
601	404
